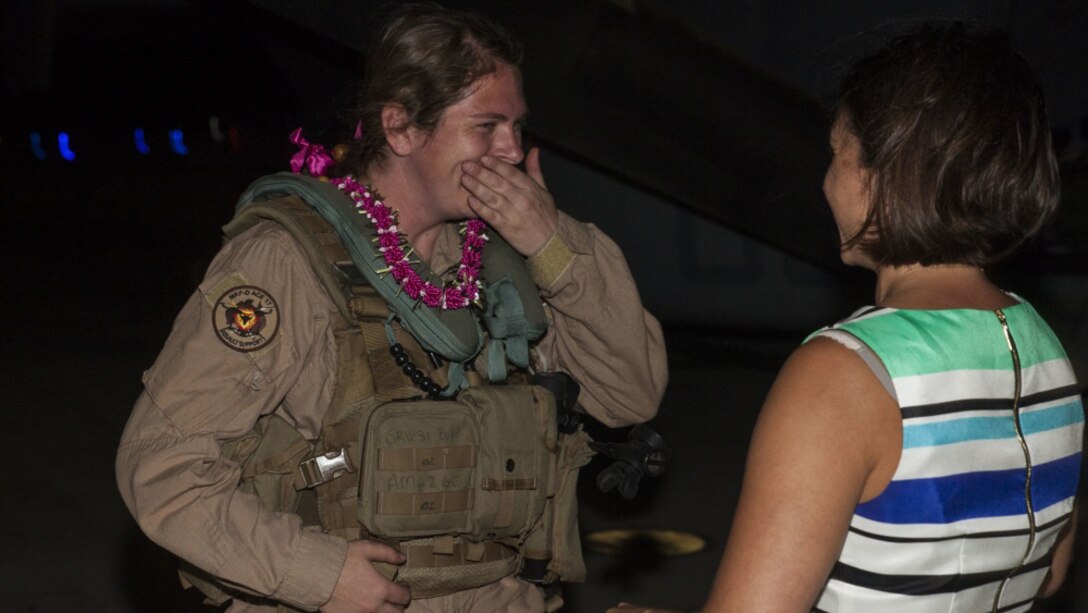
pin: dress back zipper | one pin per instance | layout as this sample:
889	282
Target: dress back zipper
1029	506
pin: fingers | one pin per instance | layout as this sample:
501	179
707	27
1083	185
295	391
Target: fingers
377	552
482	185
498	175
499	184
505	170
532	166
491	215
361	587
515	204
399	595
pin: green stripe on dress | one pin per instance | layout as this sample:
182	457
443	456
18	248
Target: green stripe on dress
979	333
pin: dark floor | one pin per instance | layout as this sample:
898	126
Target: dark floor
70	546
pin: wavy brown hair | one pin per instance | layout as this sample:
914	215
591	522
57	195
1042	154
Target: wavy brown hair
425	59
953	131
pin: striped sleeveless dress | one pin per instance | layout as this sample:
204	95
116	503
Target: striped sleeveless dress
992	437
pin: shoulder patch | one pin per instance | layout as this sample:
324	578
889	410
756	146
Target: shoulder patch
246	318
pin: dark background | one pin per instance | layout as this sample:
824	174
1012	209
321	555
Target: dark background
693	132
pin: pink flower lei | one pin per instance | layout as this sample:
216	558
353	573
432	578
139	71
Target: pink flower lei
464	291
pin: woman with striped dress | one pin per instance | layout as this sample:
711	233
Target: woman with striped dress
923	454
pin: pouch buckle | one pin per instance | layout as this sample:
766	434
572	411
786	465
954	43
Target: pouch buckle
324	467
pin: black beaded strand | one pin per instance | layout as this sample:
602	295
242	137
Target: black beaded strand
419	379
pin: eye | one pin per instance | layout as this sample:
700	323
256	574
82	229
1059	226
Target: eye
488	126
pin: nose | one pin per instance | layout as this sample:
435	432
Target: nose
507	145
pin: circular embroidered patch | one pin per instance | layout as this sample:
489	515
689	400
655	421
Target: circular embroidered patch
246	318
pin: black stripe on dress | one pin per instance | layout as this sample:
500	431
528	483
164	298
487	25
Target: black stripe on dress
923	585
952	537
986	404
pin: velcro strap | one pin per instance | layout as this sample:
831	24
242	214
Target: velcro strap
428	458
443	544
474	552
424	503
506	509
389	380
424	556
502	485
365	304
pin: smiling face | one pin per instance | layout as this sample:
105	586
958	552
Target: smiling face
846	187
486	122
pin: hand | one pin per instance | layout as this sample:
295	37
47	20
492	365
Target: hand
361	589
516	204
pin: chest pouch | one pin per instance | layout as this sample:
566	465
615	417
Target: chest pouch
481	467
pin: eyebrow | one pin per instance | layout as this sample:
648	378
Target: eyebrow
498	116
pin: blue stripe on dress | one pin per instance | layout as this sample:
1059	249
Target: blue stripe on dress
990	428
1052	418
1055	481
973	495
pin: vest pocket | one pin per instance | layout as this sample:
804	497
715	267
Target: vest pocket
477	467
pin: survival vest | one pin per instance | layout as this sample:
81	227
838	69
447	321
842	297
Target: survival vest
471	487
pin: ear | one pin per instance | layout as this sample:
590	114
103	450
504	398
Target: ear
397	128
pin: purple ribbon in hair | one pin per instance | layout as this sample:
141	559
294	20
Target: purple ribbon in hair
311	156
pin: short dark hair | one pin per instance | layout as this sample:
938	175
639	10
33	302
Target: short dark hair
953	132
425	59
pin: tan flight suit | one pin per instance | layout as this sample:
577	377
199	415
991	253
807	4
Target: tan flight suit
202	391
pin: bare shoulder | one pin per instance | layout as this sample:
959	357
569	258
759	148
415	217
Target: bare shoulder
832	408
825	374
824	441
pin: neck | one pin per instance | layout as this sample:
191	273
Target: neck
420	224
937	286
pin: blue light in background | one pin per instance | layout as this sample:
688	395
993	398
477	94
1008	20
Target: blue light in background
177	142
141	144
65	151
36	145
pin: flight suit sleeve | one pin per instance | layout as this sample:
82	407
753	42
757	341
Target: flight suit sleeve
600	333
254	326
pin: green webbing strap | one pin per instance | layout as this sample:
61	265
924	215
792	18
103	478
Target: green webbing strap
458	380
496	360
454	334
513	311
504	317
